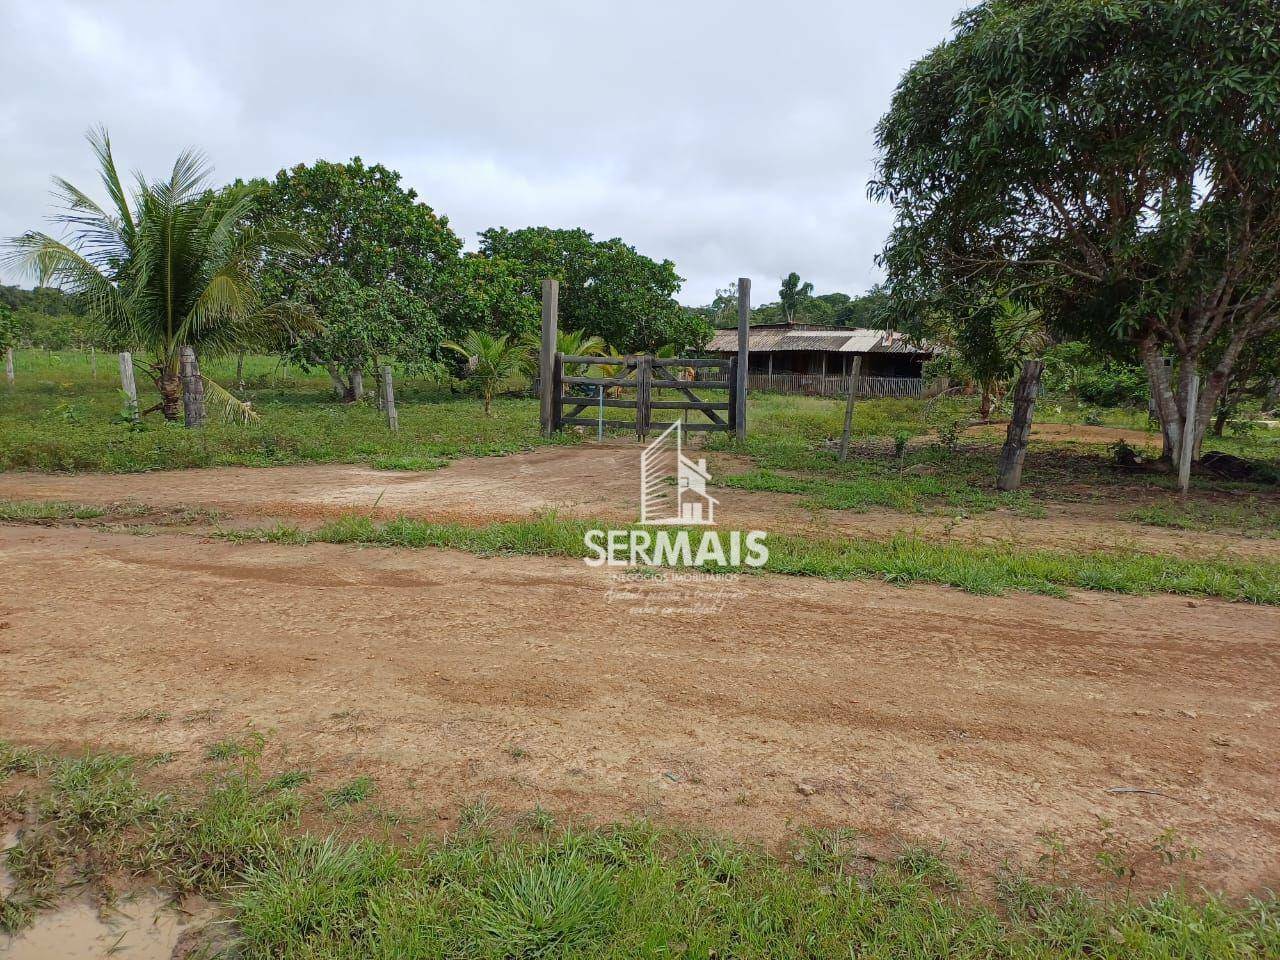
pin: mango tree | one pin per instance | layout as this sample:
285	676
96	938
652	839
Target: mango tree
1116	165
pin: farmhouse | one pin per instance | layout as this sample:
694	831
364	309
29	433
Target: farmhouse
813	359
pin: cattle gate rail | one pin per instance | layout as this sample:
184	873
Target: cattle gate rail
631	389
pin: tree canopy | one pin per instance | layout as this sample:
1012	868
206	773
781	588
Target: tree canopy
607	288
381	268
1116	165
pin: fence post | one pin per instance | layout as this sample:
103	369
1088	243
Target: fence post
8	365
744	354
855	369
1014	452
546	359
644	368
129	386
557	392
193	411
389	399
1187	447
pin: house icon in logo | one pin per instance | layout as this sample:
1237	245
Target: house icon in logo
688	501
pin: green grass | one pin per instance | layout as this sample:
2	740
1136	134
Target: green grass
885	486
974	568
1252	517
529	887
58	418
34	511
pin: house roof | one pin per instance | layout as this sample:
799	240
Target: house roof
771	338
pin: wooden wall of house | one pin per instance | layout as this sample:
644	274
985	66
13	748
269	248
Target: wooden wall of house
814	362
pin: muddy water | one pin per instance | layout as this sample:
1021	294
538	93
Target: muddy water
8	840
146	927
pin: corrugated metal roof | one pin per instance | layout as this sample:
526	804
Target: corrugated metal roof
830	339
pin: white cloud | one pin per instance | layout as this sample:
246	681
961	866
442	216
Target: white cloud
734	138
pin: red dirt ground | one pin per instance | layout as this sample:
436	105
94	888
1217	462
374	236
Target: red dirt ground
595	482
914	712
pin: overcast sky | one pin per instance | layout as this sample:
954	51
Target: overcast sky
734	138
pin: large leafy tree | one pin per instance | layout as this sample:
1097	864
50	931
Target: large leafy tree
607	288
378	276
167	264
792	295
1117	164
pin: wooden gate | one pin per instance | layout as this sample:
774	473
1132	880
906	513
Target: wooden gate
578	399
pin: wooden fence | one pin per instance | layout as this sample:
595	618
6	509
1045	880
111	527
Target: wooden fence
816	385
585	389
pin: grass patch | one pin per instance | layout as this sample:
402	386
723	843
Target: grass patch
895	489
35	511
527	887
1253	517
58	417
353	791
974	568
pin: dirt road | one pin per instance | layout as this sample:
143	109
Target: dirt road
919	712
596	482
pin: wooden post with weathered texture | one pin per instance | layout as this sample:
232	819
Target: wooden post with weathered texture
644	390
193	410
1014	453
8	365
547	355
557	392
744	355
1187	447
389	399
129	385
357	384
855	374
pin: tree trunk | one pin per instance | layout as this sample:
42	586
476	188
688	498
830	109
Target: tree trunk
1162	398
1014	452
985	403
170	387
335	378
240	370
356	390
1272	400
193	409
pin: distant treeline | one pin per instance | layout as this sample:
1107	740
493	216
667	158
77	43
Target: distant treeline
46	317
797	303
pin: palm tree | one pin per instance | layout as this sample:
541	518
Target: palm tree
572	343
491	361
167	265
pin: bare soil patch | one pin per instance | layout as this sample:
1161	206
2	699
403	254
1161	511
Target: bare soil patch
918	712
594	481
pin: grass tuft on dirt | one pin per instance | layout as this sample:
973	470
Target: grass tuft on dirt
35	511
1252	517
529	887
991	570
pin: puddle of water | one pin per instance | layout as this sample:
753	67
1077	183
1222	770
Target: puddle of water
146	927
10	839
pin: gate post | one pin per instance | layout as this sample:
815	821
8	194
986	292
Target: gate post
644	370
557	392
546	358
740	380
731	374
